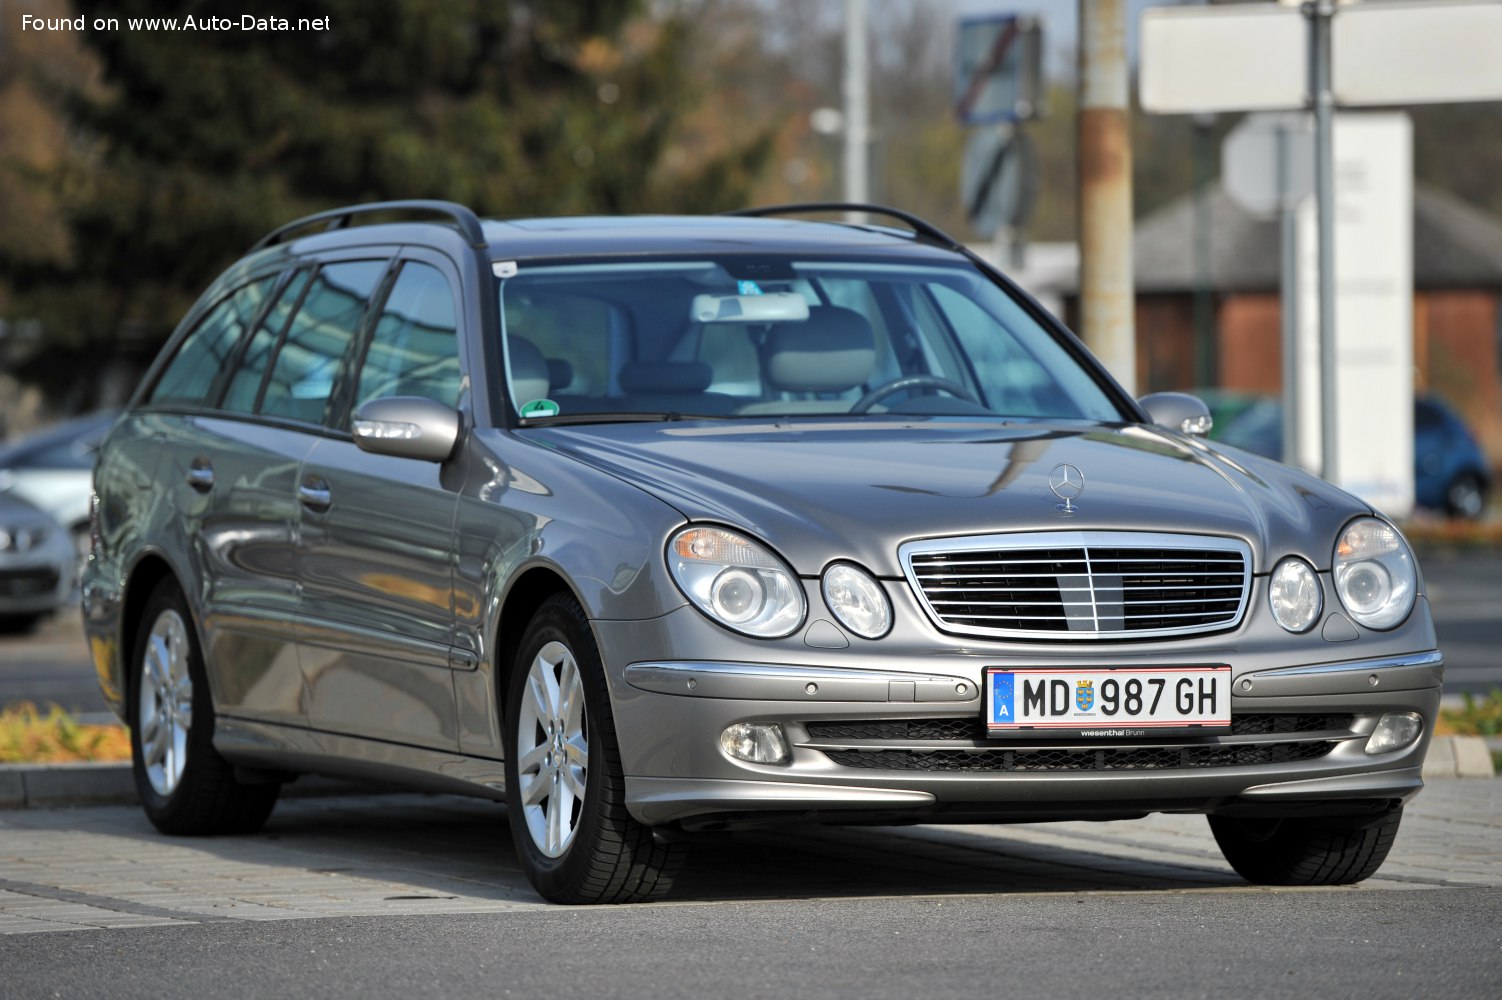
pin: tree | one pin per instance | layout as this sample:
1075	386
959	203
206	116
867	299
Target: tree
207	134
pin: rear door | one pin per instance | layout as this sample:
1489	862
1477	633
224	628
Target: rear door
227	486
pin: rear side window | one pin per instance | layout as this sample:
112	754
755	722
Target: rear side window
415	348
318	340
194	374
245	384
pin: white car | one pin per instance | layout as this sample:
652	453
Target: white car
37	562
54	469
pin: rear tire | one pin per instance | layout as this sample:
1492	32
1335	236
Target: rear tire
1337	850
184	785
565	794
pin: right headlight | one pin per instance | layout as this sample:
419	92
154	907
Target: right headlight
1375	575
857	600
1293	592
736	581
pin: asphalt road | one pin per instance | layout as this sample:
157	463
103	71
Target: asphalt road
1311	944
51	665
419	896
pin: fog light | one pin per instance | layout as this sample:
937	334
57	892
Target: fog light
757	742
1395	731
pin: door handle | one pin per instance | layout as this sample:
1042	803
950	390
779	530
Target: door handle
314	494
201	474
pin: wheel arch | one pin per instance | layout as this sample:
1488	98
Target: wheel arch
145	576
525	595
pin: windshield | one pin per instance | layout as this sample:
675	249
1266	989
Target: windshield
763	336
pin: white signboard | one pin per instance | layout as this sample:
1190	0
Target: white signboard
1242	58
1373	313
1417	53
1252	57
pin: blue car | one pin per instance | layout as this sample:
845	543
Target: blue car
1450	473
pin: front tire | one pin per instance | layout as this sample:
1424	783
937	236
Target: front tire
565	793
1337	850
184	785
1465	497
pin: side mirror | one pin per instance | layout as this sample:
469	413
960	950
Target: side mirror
407	427
1178	411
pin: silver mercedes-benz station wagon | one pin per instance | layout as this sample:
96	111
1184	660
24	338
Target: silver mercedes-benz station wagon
652	525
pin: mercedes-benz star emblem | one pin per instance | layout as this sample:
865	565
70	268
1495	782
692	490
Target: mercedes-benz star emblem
1067	483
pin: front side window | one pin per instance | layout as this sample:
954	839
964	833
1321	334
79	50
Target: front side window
194	374
415	348
768	336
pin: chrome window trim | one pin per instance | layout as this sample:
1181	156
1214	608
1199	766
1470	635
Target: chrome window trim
1083	540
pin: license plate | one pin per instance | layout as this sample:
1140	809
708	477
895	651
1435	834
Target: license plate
1124	703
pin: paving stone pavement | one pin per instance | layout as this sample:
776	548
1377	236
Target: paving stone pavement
107	868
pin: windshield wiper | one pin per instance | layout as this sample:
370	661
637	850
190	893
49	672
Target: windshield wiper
617	418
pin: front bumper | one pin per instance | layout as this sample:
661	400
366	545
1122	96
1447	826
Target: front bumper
847	764
39	580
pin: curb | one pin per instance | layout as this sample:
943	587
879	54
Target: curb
1459	757
52	786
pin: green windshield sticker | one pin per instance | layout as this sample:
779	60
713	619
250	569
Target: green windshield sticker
540	408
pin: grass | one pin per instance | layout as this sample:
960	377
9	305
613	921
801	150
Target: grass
1475	717
29	737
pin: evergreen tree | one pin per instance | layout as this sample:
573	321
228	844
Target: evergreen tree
201	140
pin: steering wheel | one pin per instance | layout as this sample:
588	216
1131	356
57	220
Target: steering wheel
886	389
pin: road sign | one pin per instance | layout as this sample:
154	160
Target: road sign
1417	53
1242	58
1250	58
998	69
1267	161
998	179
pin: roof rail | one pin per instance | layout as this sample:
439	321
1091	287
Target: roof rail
920	227
340	218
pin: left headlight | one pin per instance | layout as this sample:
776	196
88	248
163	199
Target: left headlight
22	537
1374	573
1293	593
736	581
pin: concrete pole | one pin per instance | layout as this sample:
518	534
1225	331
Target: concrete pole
1105	194
857	95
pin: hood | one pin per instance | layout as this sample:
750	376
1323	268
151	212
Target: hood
817	491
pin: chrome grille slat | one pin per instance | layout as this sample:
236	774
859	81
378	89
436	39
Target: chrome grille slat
1081	585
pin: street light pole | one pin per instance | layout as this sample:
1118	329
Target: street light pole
857	96
1322	94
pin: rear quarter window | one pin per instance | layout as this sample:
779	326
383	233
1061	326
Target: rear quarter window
196	371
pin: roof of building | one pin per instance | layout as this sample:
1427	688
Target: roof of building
1455	245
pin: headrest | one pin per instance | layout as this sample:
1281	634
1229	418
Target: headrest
529	370
833	351
665	376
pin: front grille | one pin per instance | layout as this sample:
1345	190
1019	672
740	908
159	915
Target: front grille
1293	738
974	727
1081	585
28	582
1126	759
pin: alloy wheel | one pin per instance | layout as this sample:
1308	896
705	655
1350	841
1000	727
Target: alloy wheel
165	712
552	751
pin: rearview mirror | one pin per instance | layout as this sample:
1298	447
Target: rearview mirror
407	427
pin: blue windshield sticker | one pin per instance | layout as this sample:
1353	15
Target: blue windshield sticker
748	288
